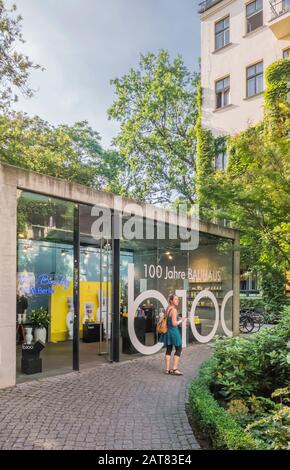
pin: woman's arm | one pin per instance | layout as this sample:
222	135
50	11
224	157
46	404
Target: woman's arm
174	320
174	317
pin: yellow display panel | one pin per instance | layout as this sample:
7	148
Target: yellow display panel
89	292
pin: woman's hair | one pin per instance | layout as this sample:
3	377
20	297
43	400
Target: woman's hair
171	297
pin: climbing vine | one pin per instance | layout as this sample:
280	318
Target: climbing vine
253	192
207	148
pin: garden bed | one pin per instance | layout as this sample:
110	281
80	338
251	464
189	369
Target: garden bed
241	397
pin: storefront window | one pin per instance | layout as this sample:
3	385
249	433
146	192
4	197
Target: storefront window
202	275
151	268
45	277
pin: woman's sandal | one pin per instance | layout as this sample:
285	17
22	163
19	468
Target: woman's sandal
176	372
167	371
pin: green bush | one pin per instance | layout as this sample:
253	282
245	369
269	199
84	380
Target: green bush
264	419
244	368
248	302
273	429
213	420
238	371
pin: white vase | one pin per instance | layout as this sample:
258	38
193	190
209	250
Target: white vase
70	324
28	335
40	335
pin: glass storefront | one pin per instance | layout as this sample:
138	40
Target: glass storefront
45	274
203	275
45	283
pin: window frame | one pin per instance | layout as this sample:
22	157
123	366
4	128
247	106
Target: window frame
224	89
286	51
255	75
222	31
224	160
248	31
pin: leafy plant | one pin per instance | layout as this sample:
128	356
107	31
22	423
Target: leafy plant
39	318
235	374
213	420
273	429
238	409
243	368
248	302
282	394
249	410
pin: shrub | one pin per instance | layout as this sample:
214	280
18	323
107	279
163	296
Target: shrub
273	429
264	419
238	371
213	420
248	302
243	368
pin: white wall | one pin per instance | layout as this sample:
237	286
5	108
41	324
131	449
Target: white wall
245	50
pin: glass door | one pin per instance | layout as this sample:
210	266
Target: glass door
95	304
105	297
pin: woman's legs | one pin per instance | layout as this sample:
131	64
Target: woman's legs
176	357
168	357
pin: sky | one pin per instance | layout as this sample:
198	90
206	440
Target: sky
83	44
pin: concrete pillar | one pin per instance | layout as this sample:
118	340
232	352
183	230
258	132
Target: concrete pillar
8	211
236	286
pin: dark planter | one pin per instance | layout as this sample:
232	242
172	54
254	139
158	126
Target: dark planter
91	332
190	337
149	315
140	329
31	363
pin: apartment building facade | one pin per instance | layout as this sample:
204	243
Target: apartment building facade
239	40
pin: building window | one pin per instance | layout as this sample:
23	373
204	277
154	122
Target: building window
254	13
286	53
220	161
255	82
249	282
222	33
222	90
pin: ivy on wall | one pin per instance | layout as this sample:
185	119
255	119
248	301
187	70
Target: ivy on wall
277	98
253	192
207	148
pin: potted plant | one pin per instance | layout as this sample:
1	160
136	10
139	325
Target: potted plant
39	319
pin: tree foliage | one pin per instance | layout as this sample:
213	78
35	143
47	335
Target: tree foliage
254	192
14	66
157	109
73	153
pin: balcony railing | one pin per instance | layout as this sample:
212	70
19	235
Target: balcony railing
279	7
206	4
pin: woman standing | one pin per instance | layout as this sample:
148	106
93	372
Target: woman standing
172	337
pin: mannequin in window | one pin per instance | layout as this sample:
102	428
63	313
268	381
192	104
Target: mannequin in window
22	306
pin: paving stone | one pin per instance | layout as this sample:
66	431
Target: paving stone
129	405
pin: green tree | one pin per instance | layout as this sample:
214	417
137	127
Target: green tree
156	107
73	153
14	66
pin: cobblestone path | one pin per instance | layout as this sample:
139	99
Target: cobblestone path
129	405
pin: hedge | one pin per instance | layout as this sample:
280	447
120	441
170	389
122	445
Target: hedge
213	420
